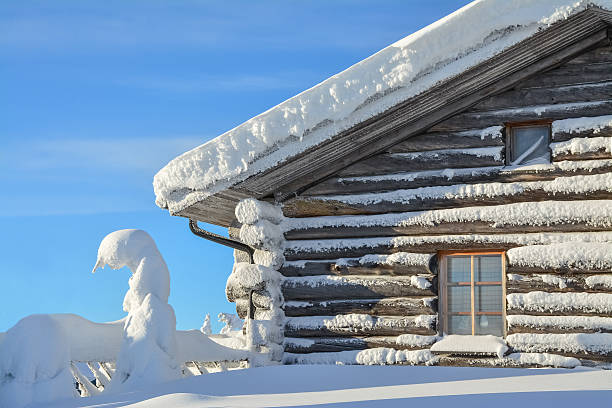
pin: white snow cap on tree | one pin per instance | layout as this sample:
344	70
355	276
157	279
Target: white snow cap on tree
136	250
148	352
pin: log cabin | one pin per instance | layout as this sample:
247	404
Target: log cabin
447	201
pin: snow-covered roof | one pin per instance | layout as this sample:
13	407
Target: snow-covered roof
410	66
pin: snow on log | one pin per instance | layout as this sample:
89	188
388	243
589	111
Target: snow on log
600	282
347	247
262	234
563	303
148	353
375	356
359	324
400	306
558	324
463	344
325	287
246	277
564	129
250	210
581	148
589	215
587	256
591	345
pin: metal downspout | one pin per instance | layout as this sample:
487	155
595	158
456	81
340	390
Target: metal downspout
232	243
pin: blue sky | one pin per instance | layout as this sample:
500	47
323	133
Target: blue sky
98	96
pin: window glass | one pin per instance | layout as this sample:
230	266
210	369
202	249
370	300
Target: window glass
472	294
529	145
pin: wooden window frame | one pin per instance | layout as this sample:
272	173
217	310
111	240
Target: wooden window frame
510	126
443	287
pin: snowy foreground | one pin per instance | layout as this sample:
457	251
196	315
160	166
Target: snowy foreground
369	386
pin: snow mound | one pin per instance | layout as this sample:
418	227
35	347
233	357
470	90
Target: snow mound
406	68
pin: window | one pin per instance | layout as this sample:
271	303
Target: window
527	143
472	287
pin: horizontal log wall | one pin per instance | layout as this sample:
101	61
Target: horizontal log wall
330	291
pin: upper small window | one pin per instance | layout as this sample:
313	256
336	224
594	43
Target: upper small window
528	144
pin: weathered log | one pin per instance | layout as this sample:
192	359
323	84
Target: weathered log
349	185
597	55
565	136
561	272
552	283
558	324
603	356
313	206
359	325
570	74
357	267
331	268
348	248
472	227
435	160
546	96
357	287
407	306
331	344
600	154
573	311
444	141
482	119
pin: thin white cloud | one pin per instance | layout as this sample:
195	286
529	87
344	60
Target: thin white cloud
112	154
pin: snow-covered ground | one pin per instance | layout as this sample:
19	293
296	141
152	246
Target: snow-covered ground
369	386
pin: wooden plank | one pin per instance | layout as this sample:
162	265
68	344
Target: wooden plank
516	98
334	344
404	306
376	326
422	161
481	119
335	267
356	287
314	207
605	356
564	136
573	311
444	141
442	228
545	49
339	185
548	282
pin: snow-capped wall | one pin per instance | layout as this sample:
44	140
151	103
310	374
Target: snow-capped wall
439	51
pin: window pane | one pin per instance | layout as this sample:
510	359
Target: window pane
488	298
487	324
530	144
460	325
459	269
487	268
459	299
